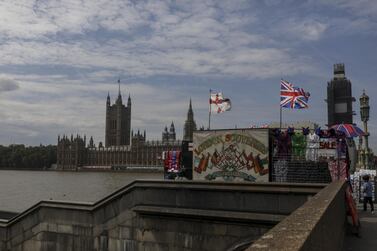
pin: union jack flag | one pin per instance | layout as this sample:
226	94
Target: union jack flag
293	97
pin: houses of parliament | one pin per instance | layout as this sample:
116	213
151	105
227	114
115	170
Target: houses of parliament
123	147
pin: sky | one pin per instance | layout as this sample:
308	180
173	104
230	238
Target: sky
60	58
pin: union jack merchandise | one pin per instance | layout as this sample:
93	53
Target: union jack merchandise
293	97
172	161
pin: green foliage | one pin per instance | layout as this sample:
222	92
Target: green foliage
31	157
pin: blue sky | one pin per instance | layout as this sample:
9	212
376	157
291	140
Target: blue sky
60	58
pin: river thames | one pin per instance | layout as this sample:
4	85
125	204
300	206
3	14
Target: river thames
20	190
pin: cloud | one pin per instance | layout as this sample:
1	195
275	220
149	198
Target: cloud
354	8
306	29
7	85
36	19
347	16
66	56
152	38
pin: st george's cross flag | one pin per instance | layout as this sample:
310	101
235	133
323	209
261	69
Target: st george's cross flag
219	104
293	97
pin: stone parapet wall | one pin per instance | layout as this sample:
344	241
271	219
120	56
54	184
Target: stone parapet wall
319	224
157	215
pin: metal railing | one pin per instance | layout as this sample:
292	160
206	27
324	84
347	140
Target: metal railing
304	167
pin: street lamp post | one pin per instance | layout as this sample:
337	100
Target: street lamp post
364	114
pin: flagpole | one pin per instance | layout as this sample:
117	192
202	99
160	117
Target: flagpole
209	113
281	111
281	116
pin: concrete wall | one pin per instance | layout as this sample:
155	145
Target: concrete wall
158	215
319	224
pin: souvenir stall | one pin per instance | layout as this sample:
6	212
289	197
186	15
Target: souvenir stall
316	156
301	156
326	158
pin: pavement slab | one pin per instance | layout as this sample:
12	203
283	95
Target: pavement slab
367	239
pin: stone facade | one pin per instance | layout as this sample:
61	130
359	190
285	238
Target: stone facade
72	152
118	122
123	148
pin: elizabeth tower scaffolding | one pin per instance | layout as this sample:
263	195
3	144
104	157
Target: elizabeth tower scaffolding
339	98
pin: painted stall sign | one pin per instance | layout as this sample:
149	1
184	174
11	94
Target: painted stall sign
327	148
231	155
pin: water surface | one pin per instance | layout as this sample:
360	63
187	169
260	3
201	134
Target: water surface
20	190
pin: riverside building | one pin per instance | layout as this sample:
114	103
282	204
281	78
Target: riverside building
123	148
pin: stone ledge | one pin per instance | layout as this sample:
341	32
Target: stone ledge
275	188
211	214
299	231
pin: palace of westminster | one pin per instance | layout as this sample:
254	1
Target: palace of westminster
123	147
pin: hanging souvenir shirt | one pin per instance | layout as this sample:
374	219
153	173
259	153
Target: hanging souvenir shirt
312	147
298	145
284	146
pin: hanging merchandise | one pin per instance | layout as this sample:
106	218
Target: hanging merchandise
298	146
172	161
280	170
357	183
284	146
312	147
338	169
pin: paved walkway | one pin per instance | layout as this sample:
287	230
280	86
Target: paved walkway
368	233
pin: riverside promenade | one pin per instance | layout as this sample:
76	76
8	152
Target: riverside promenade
367	239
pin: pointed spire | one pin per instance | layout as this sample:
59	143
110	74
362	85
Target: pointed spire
190	113
172	128
129	100
119	99
119	86
108	99
190	124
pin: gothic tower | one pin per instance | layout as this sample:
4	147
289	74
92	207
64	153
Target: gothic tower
172	132
165	135
190	125
118	121
108	120
339	98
